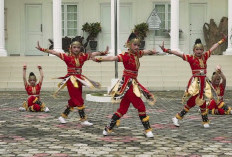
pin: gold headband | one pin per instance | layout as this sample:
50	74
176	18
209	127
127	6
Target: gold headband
199	45
76	43
135	40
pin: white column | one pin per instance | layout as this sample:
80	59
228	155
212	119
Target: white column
2	31
118	24
229	49
175	24
57	25
112	28
113	35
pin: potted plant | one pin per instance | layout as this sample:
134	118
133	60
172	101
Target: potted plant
93	29
141	31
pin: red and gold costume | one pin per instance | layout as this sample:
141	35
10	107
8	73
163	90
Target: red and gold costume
74	81
198	86
219	107
130	90
33	102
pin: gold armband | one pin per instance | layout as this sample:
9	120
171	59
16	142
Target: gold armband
99	59
221	41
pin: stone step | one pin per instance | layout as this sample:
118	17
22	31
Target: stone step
156	72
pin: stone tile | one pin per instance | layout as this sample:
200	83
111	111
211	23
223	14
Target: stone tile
40	134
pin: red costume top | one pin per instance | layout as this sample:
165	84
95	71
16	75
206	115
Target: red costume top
74	63
219	107
220	90
199	83
33	90
74	68
130	60
198	64
131	64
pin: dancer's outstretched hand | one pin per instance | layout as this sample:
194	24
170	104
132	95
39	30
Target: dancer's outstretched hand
39	66
219	68
97	59
105	52
164	49
38	46
162	46
224	36
154	51
24	66
94	59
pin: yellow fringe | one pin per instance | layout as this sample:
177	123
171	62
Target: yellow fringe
213	111
35	99
186	109
64	116
205	122
152	103
221	105
141	113
42	107
146	119
148	130
71	108
204	113
185	96
59	85
178	116
199	101
25	105
74	81
109	131
228	111
136	89
83	119
117	122
81	108
32	109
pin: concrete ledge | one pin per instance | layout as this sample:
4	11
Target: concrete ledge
93	98
157	73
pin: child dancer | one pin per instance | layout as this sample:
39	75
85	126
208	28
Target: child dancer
199	85
219	107
129	89
33	90
74	78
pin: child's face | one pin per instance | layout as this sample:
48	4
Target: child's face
32	81
135	46
76	49
198	52
216	80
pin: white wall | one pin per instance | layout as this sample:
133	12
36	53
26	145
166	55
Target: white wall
16	24
90	12
13	26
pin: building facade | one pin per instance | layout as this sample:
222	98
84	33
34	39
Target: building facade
24	22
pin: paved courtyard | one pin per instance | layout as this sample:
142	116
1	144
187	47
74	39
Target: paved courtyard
40	134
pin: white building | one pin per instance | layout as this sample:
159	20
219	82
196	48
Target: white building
24	22
29	21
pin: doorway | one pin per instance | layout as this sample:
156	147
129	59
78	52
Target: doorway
33	29
197	19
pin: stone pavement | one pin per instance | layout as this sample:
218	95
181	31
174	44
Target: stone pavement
40	134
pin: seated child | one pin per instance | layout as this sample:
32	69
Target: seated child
219	83
33	102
